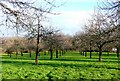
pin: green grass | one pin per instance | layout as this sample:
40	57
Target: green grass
72	65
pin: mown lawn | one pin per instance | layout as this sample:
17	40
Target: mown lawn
71	65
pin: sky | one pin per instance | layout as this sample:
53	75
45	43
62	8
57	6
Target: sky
73	15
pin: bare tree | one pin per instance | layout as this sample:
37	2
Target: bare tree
84	41
102	32
58	43
17	15
112	9
30	45
50	39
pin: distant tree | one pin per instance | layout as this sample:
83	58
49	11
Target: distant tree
9	51
77	42
84	42
22	45
16	46
68	42
30	46
11	45
50	40
58	43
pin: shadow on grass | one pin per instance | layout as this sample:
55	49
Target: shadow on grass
16	62
66	58
59	64
81	59
111	60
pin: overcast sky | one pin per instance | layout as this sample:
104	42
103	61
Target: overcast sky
74	13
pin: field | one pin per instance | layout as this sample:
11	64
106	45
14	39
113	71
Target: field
71	65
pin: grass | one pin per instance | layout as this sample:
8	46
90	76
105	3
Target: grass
71	65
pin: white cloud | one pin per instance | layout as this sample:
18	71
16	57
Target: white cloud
76	17
71	21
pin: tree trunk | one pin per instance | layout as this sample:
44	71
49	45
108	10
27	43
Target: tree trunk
60	52
16	53
85	54
108	54
37	52
90	54
44	52
37	49
38	37
80	52
90	49
30	53
36	58
10	55
56	53
51	54
64	51
100	54
117	52
21	53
